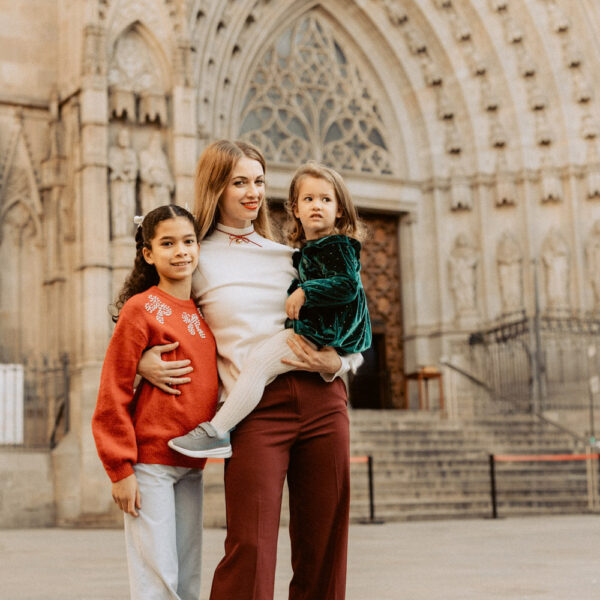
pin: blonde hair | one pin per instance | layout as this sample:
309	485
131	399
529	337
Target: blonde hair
348	224
212	176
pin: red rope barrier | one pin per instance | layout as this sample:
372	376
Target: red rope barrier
353	459
543	457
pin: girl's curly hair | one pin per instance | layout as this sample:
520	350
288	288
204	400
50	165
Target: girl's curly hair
143	275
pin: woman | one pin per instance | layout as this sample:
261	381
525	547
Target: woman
300	427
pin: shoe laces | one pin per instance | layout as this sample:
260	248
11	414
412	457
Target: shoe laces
198	432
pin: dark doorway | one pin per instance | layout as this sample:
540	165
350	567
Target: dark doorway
370	386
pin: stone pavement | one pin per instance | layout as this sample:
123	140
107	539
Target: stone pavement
530	558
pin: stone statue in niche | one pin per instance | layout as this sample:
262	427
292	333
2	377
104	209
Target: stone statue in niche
555	261
123	165
463	265
155	175
593	262
509	259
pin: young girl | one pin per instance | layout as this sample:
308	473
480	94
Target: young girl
326	304
160	491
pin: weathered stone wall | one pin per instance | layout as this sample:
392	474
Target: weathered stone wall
473	125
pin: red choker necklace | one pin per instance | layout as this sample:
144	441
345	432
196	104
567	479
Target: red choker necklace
239	238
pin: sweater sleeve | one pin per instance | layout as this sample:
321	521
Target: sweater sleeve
340	281
112	423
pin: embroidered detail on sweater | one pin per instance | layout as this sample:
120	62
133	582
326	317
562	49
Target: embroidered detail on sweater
162	310
193	324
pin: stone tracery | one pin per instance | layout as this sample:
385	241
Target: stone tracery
307	100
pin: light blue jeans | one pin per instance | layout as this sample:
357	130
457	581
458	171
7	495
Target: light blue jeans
164	543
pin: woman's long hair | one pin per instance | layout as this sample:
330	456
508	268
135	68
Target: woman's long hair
213	173
144	275
348	224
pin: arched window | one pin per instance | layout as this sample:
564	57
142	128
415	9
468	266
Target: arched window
307	100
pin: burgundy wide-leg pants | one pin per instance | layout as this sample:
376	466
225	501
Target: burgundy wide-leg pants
299	429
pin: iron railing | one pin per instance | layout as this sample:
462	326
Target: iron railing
533	365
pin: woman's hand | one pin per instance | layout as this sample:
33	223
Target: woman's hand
326	360
126	495
162	373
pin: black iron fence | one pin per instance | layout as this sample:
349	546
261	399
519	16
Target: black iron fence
534	364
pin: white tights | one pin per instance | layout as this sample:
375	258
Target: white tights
261	368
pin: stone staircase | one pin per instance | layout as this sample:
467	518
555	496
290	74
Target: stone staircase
426	467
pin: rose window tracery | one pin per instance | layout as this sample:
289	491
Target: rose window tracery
306	100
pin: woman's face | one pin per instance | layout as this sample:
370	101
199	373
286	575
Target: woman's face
243	195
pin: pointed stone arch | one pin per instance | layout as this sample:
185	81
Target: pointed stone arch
138	70
307	98
21	256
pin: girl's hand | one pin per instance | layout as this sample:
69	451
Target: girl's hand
126	495
294	303
326	360
162	373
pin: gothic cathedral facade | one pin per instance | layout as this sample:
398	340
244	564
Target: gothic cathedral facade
467	131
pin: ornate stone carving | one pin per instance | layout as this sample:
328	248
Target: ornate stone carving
555	257
445	110
123	166
94	61
396	12
489	99
527	66
498	137
505	190
592	179
560	22
592	251
572	54
582	90
550	181
509	260
306	100
593	262
17	216
122	103
462	266
153	107
133	70
453	142
543	132
461	196
155	175
431	72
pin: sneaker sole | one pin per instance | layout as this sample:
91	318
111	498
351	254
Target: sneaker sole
216	453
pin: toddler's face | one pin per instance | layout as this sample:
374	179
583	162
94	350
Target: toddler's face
317	207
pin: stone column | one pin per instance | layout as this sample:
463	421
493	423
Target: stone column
185	125
80	482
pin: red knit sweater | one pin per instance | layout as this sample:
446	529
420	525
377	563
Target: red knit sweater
135	428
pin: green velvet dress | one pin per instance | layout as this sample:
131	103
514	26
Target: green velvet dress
335	312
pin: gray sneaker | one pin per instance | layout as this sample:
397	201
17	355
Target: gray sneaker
202	442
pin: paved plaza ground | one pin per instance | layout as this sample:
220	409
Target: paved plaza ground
520	558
